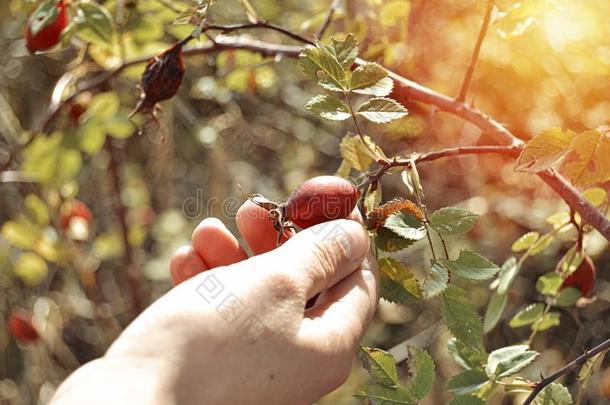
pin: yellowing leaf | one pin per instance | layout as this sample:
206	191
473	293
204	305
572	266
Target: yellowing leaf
31	269
544	150
589	159
356	153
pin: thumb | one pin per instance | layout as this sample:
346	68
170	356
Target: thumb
323	255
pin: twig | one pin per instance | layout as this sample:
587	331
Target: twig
579	361
476	51
413	91
131	271
227	28
328	20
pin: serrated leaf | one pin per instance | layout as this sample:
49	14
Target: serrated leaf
388	241
542	243
544	150
355	151
379	216
380	395
95	23
421	371
596	196
395	292
406	225
591	366
507	275
559	219
494	311
380	366
525	241
567	297
436	280
549	283
467	382
462	318
322	66
371	79
587	162
329	108
509	360
471	266
464	356
401	275
381	110
527	315
346	50
453	220
467	400
547	321
553	394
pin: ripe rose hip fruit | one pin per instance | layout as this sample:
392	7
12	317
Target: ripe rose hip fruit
21	327
583	277
321	199
45	25
74	209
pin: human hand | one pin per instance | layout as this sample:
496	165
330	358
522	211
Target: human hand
239	332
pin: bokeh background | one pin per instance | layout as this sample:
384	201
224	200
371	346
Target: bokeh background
238	126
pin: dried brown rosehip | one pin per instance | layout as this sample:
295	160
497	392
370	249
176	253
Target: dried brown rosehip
161	78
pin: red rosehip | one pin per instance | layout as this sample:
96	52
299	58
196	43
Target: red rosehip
21	327
75	209
583	277
45	25
321	199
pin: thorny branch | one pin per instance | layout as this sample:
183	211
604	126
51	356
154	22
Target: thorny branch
414	91
579	361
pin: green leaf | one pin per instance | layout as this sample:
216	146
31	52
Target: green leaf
380	365
394	291
43	16
406	225
468	400
548	321
372	79
381	395
471	266
403	278
94	23
467	382
388	241
567	297
37	209
525	241
588	163
91	136
527	315
329	108
549	283
462	318
559	219
103	105
494	311
436	280
31	269
591	366
21	234
507	275
119	127
509	360
321	65
453	221
381	110
345	50
466	357
544	150
421	370
553	394
596	196
541	244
